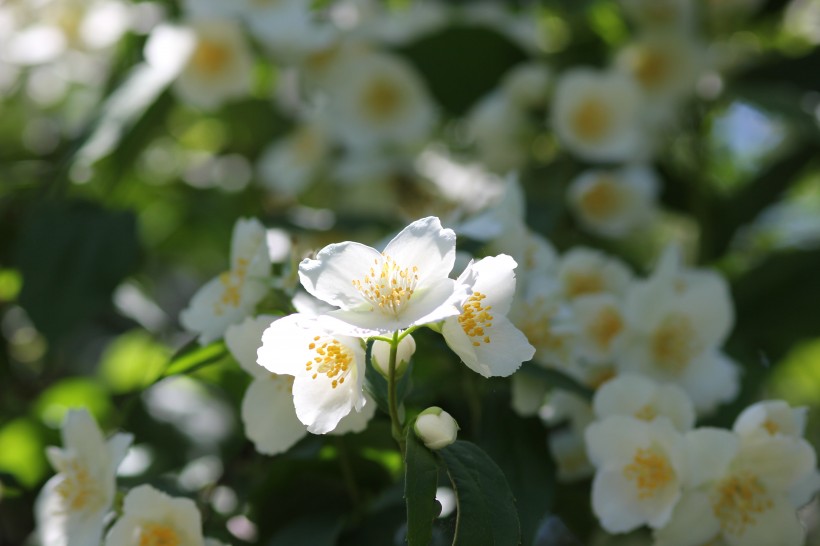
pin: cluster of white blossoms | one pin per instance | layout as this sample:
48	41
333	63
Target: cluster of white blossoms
76	506
696	486
308	368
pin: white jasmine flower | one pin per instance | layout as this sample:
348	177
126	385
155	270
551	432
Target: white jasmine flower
660	14
289	165
405	285
737	491
72	506
288	28
219	65
501	131
583	271
436	428
377	100
642	398
482	335
527	85
327	369
231	296
640	471
771	417
596	115
614	203
152	517
600	327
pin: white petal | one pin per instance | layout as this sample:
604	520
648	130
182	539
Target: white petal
776	526
692	522
780	462
285	345
244	340
495	277
614	502
502	356
269	416
613	441
709	451
356	421
330	276
426	245
320	406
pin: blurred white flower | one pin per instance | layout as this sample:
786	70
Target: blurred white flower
771	418
527	85
72	506
376	99
501	132
482	335
583	271
327	369
152	517
600	327
640	397
378	292
289	165
640	470
219	65
614	203
739	491
567	445
597	115
231	296
654	15
436	428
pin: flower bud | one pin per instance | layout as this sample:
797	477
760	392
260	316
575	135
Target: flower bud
436	428
380	355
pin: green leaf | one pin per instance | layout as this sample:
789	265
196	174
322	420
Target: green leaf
312	530
420	481
21	451
193	357
132	361
487	514
71	256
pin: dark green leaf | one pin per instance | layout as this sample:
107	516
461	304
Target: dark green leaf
487	514
420	481
558	380
72	255
313	530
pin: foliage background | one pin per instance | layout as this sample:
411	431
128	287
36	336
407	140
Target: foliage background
96	261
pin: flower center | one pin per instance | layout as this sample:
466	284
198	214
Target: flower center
476	318
579	283
591	119
78	489
306	144
382	99
602	200
159	535
651	69
674	343
538	327
605	327
211	57
650	471
737	500
771	427
332	359
232	281
388	286
646	413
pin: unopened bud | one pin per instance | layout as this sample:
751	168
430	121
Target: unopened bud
436	428
380	355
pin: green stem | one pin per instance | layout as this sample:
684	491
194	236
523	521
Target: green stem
392	398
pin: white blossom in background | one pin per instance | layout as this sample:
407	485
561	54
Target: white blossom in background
72	506
583	271
640	397
528	393
232	296
614	203
567	445
738	490
482	335
668	15
289	29
327	369
600	327
377	100
289	165
771	418
640	471
151	517
405	285
404	24
268	411
527	85
597	115
218	67
501	132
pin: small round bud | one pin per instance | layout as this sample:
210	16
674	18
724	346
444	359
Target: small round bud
436	428
380	355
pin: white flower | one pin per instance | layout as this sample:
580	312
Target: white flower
527	84
642	398
614	203
482	335
268	412
380	355
289	165
660	14
219	66
600	327
583	271
377	100
405	285
328	369
771	418
568	450
640	470
152	517
436	428
738	490
596	115
287	28
72	506
231	296
502	132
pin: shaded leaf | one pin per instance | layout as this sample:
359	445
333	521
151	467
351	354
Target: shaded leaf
420	481
312	530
